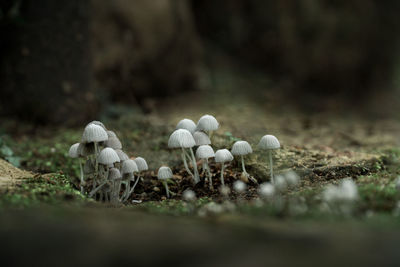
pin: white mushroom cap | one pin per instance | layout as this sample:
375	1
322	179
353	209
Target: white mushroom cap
122	155
86	149
292	178
205	152
280	183
114	174
181	138
141	164
164	173
241	148
269	142
98	123
189	195
129	166
239	186
207	123
94	133
223	155
201	138
111	134
266	190
113	142
73	151
186	124
108	156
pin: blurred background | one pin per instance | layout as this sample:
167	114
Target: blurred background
65	62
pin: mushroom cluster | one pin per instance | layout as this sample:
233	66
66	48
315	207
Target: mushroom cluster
105	169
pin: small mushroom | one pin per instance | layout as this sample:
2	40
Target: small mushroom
266	190
204	152
111	134
98	123
207	123
239	186
201	138
113	142
269	143
186	124
165	173
222	156
122	155
242	148
128	168
183	139
141	164
114	176
74	153
107	158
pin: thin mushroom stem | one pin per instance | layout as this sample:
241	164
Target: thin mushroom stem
185	162
209	176
166	187
94	191
196	172
222	173
81	170
96	168
133	188
243	166
272	168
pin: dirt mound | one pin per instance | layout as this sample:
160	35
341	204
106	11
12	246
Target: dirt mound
10	175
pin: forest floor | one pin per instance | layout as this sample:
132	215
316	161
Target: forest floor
322	148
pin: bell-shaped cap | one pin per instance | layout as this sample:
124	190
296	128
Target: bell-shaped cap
73	151
186	124
269	142
241	148
94	133
122	155
98	123
108	156
111	134
207	123
85	150
164	173
223	155
129	166
205	152
201	138
88	168
113	142
141	164
114	174
181	138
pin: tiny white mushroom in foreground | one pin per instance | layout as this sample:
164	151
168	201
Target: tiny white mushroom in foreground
182	138
201	138
207	123
205	152
74	153
165	173
266	190
269	143
189	195
186	124
280	183
239	186
292	178
222	156
242	148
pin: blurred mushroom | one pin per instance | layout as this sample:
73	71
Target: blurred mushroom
113	142
111	134
74	153
266	190
86	150
107	158
165	173
204	152
222	156
201	138
98	123
186	124
207	123
269	143
182	138
242	148
122	157
128	168
114	176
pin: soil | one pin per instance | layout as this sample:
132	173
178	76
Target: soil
11	176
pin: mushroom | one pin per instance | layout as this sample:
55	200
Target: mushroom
74	153
113	142
107	158
182	138
266	190
129	166
111	134
114	176
122	157
222	156
204	152
94	133
242	148
201	138
186	124
269	143
98	123
207	123
165	173
86	150
239	186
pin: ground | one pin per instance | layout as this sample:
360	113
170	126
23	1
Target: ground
322	148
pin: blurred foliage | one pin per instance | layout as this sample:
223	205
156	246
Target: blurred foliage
7	153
